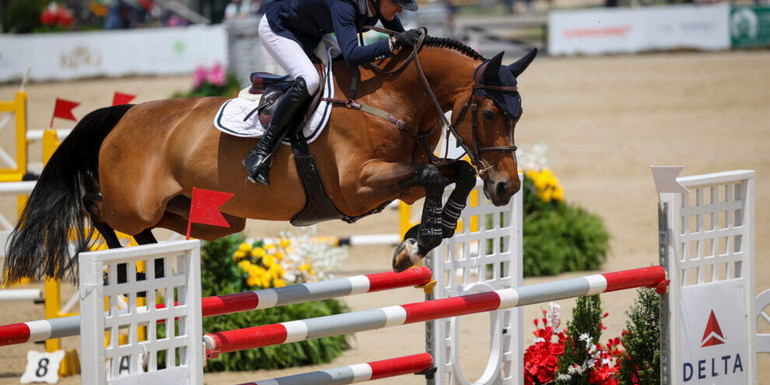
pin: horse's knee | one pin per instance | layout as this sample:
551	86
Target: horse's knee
466	176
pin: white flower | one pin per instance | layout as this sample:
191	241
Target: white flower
539	340
590	363
606	361
563	377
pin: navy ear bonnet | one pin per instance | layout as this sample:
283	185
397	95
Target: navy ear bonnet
496	74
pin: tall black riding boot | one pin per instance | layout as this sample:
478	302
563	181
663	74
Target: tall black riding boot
258	160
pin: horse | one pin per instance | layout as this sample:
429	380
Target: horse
132	168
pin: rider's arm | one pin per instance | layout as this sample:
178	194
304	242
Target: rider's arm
343	18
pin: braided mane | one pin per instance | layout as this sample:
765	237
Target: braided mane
441	42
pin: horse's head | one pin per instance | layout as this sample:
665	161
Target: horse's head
485	121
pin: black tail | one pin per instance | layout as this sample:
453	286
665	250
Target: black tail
54	215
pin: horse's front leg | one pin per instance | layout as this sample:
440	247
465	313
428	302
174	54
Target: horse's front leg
437	221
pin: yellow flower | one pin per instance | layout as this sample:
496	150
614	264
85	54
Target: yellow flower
279	283
258	252
268	260
238	255
305	267
244	265
253	281
547	195
284	242
270	248
558	194
245	247
280	255
531	174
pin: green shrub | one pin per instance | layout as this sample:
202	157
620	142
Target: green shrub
559	237
23	16
640	363
219	276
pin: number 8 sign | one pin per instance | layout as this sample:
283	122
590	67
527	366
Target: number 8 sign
42	367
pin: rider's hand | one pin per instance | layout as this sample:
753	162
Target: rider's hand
407	38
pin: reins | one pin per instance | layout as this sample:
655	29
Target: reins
421	138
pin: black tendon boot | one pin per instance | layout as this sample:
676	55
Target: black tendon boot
258	160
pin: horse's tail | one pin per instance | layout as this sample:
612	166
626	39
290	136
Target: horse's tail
54	215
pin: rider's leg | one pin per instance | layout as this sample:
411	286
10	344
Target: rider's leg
257	161
290	55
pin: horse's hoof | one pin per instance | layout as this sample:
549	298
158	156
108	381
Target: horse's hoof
259	180
402	257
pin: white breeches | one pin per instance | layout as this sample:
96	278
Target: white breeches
289	55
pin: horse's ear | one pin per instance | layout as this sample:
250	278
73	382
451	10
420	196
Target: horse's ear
493	66
520	65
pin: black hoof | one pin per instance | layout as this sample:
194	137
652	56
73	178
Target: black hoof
259	180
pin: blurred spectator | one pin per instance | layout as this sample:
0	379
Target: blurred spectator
238	9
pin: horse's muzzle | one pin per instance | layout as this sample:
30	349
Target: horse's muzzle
500	190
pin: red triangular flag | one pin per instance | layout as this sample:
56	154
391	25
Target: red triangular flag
122	98
63	110
205	208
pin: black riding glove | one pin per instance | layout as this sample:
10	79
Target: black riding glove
407	38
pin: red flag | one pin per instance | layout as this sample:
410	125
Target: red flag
63	110
122	98
205	208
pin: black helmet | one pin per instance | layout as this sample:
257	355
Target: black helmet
409	5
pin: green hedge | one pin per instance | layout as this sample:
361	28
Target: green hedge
558	236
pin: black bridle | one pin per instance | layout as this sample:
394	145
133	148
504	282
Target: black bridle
473	105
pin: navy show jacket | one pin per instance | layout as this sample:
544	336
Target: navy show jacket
306	21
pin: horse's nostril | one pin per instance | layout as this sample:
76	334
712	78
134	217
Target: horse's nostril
501	189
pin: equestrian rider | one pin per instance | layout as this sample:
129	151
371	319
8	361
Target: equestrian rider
291	29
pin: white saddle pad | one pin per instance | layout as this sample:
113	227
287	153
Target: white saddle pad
231	117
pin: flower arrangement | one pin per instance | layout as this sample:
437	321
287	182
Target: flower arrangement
56	17
289	259
541	359
234	264
213	81
547	186
573	357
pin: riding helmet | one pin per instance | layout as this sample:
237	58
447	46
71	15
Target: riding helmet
409	5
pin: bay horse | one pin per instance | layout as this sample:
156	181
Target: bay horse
132	168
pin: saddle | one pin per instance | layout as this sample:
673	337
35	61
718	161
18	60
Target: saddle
318	207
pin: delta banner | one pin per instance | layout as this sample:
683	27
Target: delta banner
750	27
715	337
633	30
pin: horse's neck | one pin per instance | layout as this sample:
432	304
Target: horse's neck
449	73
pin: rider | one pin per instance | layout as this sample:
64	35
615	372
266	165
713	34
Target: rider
291	29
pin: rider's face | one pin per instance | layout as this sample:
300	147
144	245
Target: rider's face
389	9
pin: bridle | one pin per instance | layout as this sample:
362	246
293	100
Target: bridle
472	105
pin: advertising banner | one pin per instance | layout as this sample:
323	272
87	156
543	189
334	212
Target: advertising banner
715	340
750	26
632	30
65	56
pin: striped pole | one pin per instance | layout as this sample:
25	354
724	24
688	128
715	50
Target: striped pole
293	331
356	373
42	330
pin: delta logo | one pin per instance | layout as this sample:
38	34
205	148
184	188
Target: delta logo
713	334
716	366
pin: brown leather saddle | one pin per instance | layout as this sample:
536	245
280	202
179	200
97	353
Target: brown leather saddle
318	206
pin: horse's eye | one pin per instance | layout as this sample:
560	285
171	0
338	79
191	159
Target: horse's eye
488	115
